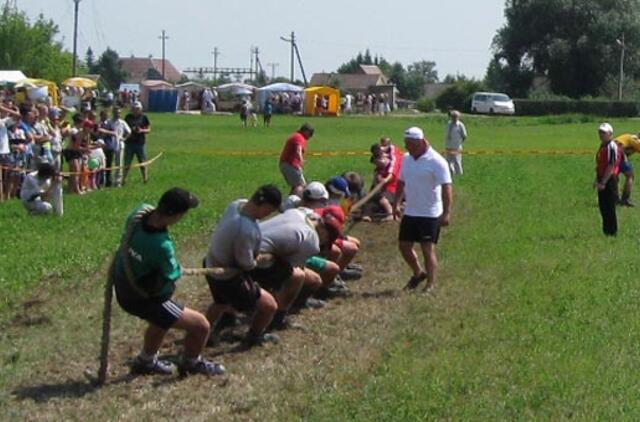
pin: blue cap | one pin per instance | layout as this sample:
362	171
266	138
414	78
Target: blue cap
339	185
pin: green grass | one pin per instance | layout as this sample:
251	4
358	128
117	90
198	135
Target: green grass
536	316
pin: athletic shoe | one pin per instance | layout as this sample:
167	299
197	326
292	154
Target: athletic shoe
251	340
339	284
355	267
627	203
313	303
201	366
415	280
349	274
155	367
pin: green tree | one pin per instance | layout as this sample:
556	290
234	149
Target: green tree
90	61
418	74
31	47
110	69
458	95
572	42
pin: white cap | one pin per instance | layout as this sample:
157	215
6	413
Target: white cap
315	191
605	127
414	133
292	201
137	104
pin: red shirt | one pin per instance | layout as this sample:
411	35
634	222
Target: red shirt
607	155
290	152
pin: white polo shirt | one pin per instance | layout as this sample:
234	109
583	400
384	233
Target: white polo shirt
422	179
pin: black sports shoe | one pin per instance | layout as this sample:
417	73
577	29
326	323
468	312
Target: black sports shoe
155	367
350	274
201	366
415	280
355	267
252	340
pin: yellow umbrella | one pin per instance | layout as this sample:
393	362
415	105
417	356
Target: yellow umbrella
80	83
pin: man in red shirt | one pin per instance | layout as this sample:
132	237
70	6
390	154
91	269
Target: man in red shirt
607	168
292	158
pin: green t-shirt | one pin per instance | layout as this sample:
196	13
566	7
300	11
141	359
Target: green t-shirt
152	258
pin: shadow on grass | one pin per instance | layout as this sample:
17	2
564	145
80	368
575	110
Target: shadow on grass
42	393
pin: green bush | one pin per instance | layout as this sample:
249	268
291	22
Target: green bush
458	96
425	105
590	107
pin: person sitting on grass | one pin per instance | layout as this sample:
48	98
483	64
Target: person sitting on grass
37	186
144	272
235	244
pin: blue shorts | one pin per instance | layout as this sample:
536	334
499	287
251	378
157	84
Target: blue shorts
134	149
626	167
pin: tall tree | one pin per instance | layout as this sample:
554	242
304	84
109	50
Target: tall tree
110	69
31	47
572	42
90	60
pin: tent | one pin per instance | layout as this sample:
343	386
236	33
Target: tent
236	89
311	96
37	87
11	76
278	88
151	85
195	94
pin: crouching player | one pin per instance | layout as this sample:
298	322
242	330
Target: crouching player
235	244
144	273
292	238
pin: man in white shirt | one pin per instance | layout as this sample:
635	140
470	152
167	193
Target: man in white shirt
455	136
425	182
122	131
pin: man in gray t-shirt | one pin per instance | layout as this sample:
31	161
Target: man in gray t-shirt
235	245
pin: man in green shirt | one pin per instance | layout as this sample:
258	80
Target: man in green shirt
144	274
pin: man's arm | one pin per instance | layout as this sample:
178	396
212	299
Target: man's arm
447	202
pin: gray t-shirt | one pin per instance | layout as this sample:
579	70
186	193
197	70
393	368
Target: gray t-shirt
235	243
290	236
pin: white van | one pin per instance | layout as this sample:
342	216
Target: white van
492	102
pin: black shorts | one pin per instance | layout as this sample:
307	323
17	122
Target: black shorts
241	292
419	229
273	277
163	314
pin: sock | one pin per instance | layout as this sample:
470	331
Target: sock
146	358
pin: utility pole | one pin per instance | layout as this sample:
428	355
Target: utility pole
291	40
253	51
273	69
620	42
75	38
215	53
163	37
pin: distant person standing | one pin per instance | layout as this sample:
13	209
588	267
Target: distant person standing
135	143
292	159
608	160
267	112
455	137
630	144
425	182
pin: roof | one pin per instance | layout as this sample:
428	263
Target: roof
12	76
370	69
141	68
348	81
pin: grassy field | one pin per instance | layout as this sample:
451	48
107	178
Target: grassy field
535	317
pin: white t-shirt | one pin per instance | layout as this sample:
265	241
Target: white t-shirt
4	135
422	179
455	136
33	186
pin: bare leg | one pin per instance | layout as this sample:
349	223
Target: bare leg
410	257
431	263
287	295
265	309
347	253
153	337
197	328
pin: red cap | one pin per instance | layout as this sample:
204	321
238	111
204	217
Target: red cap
88	124
336	211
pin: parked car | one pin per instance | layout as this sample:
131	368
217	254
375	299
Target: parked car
492	103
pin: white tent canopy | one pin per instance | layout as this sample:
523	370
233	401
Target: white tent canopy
236	89
264	92
11	76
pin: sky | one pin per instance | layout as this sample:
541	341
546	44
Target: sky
456	35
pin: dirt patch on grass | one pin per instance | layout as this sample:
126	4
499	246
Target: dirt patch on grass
45	363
